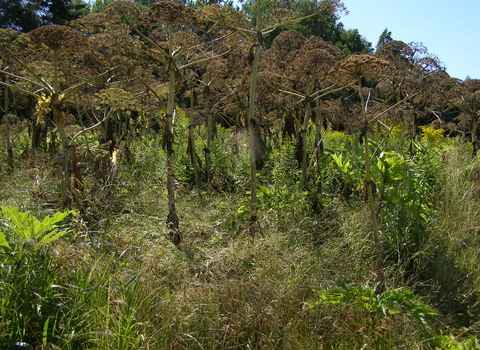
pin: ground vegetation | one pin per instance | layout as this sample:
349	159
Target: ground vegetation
328	198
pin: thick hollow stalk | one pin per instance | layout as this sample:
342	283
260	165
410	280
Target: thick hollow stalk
369	191
172	218
252	122
475	134
8	137
303	132
208	158
252	143
191	138
67	188
318	141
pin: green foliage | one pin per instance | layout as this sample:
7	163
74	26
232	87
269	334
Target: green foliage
384	38
408	187
24	229
430	136
345	167
31	299
385	304
351	42
28	15
448	342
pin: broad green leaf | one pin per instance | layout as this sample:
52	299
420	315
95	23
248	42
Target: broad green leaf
4	243
26	227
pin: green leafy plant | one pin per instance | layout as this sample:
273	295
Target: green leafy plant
407	188
431	136
24	228
385	304
448	342
31	299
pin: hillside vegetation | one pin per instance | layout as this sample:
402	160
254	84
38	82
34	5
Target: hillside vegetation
190	177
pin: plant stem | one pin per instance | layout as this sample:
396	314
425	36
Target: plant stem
208	148
369	191
251	124
191	139
172	218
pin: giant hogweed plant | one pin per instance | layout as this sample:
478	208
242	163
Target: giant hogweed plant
358	69
31	301
262	23
51	97
176	23
404	193
379	305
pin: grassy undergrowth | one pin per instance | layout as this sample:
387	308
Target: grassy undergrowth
305	281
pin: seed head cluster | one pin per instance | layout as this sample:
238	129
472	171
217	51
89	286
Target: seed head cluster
359	66
396	50
169	12
57	37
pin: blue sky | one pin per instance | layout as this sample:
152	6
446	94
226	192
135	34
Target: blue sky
449	29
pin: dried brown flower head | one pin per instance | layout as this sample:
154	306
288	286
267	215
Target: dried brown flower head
7	35
224	15
472	85
169	12
122	7
185	38
315	42
358	66
314	62
288	40
92	23
57	37
396	50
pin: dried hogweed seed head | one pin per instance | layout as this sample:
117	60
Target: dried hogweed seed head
169	12
225	16
358	66
57	37
315	42
314	62
122	7
396	50
7	35
93	23
185	38
288	40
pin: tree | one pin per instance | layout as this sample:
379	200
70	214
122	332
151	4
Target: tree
31	14
384	38
323	25
351	42
18	15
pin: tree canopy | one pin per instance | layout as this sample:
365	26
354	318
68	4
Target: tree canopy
27	15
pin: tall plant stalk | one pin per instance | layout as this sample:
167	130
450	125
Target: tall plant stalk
191	136
258	33
369	188
171	15
208	147
172	218
303	131
252	123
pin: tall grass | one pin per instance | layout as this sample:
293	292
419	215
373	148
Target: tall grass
121	284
